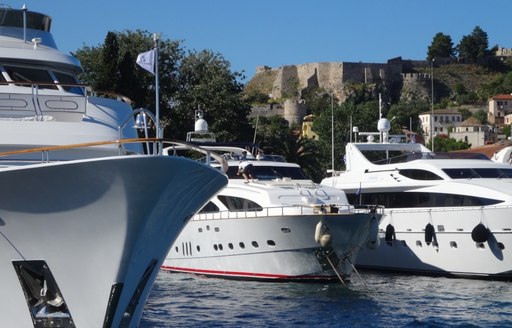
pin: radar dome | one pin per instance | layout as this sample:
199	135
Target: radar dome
384	125
201	125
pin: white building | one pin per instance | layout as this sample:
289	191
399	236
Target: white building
473	132
443	120
499	107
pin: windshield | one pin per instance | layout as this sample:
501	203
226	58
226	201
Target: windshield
270	173
476	173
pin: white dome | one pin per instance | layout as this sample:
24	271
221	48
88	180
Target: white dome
384	125
201	125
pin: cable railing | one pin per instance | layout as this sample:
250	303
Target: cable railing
286	210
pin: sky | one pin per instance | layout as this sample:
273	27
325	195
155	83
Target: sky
274	33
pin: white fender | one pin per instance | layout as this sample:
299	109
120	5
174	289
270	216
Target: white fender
318	231
325	240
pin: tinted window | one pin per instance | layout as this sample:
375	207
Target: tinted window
239	204
478	173
419	199
68	82
420	175
30	75
210	207
270	173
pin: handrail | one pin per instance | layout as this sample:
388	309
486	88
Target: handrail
79	145
86	88
301	210
182	144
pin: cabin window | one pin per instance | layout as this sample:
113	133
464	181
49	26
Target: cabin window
209	208
27	76
462	173
270	172
69	83
419	199
419	174
239	204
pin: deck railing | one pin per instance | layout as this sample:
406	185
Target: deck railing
288	210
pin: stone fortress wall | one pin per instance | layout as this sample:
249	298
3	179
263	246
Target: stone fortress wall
291	80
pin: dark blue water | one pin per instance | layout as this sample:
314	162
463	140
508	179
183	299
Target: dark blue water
376	300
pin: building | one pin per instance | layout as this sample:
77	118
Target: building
473	132
443	120
499	107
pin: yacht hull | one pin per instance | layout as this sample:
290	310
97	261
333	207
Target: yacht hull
81	241
274	248
452	250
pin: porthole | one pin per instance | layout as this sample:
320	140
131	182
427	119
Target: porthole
200	229
271	243
242	245
215	247
220	247
198	248
480	245
418	243
453	244
286	230
208	227
501	246
176	248
230	245
255	244
217	229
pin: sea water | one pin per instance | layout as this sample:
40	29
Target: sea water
369	300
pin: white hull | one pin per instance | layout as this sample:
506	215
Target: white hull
451	192
455	253
268	248
96	224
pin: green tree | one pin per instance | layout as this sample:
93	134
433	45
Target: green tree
474	46
444	144
110	67
406	114
275	136
187	82
441	46
207	83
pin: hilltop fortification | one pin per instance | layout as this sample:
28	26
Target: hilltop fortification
287	83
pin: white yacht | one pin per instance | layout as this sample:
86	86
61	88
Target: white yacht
443	215
277	226
86	218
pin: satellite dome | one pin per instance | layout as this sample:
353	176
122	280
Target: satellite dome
384	125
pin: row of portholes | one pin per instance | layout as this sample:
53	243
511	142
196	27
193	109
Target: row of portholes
219	247
453	244
187	247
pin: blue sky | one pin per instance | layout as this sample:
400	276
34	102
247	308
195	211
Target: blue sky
282	32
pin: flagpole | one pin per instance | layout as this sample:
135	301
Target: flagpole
156	37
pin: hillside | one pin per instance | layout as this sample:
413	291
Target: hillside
457	82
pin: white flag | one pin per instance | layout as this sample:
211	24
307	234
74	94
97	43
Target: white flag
146	60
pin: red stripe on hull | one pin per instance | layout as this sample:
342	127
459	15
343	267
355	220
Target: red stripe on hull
235	274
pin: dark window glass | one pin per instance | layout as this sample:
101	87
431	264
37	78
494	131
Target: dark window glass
30	75
420	175
68	82
239	204
419	199
270	173
478	173
209	208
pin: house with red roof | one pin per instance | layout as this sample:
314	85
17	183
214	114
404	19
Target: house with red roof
500	106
